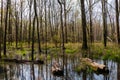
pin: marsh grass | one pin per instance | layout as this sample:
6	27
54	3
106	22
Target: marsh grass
95	51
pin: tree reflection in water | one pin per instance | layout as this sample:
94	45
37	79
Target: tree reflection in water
30	71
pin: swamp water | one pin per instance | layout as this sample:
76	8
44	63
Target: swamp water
28	71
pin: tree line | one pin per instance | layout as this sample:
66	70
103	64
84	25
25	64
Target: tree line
58	22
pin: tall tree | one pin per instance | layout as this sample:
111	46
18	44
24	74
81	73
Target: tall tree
38	30
41	20
1	29
33	32
117	20
62	31
16	25
91	23
21	22
45	26
6	25
104	15
65	19
10	24
0	40
30	9
83	15
50	20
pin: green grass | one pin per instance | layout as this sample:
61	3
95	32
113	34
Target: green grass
96	50
111	52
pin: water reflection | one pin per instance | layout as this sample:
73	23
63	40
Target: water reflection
43	72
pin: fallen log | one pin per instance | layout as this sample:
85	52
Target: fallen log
100	68
57	70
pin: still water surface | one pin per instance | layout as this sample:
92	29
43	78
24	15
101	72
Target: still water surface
10	71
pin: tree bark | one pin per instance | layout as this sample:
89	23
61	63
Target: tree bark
91	23
117	21
29	36
10	25
65	24
104	15
1	29
84	44
62	31
6	22
21	23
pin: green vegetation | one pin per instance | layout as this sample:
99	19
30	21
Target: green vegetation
112	52
96	51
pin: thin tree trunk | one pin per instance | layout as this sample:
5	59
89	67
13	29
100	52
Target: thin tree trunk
62	32
46	27
16	24
41	21
6	21
117	21
51	30
1	34
29	37
10	25
33	32
65	24
38	33
91	23
0	40
21	23
104	12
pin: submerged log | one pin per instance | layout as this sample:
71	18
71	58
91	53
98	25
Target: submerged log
57	70
100	68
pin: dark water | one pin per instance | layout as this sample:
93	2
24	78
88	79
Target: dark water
10	71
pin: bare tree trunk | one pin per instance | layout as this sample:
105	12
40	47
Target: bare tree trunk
38	32
65	24
1	30
91	23
33	32
21	22
6	22
62	31
41	20
84	44
0	40
16	25
104	12
50	22
46	27
29	36
10	25
117	21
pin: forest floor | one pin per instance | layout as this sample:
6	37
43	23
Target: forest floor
95	51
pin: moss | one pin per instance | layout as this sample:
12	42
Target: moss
21	52
71	51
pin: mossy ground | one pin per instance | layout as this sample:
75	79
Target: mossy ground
95	51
